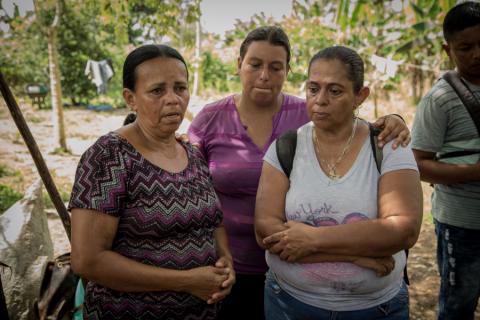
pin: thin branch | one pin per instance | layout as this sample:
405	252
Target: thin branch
36	8
58	14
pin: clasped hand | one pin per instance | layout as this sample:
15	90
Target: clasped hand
297	242
213	283
293	243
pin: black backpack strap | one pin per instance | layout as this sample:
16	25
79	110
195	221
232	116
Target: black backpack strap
466	95
378	155
285	146
471	104
455	154
377	152
405	273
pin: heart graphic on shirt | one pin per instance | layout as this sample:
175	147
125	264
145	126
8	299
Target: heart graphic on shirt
329	221
328	271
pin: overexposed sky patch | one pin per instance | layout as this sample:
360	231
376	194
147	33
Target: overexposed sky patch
219	16
8	7
23	6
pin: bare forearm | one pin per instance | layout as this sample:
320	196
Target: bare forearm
374	238
445	173
222	243
270	203
117	272
326	257
267	226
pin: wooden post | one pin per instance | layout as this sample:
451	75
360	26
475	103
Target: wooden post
3	302
36	154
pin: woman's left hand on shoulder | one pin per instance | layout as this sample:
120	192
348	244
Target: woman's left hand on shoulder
226	287
293	243
393	127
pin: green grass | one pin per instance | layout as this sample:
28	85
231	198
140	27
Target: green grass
61	152
18	139
8	197
4	171
427	218
34	119
7	172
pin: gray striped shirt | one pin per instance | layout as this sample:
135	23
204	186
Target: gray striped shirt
443	124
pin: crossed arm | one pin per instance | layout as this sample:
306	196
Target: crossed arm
92	258
434	171
367	243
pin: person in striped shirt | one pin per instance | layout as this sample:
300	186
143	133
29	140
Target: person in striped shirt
442	124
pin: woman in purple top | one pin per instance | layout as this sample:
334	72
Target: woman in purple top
234	134
147	228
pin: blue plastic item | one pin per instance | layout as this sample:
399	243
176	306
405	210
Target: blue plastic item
100	107
79	298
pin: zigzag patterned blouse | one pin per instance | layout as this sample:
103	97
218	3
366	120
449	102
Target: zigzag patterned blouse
165	219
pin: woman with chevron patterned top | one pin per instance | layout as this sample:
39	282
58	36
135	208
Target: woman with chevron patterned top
147	228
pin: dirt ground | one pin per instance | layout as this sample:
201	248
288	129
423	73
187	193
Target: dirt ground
84	126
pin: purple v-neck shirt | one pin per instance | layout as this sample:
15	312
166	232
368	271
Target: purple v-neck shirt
235	163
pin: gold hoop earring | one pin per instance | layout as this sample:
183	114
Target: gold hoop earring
356	112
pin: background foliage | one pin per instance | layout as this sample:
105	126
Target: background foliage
406	31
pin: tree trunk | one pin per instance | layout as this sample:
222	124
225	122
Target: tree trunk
414	86
421	84
196	64
55	85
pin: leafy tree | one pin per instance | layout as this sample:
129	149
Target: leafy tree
156	20
242	28
44	11
81	37
308	34
409	33
23	57
370	27
216	74
420	42
172	21
400	30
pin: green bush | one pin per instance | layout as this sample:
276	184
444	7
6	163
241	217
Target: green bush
4	171
7	172
8	197
216	74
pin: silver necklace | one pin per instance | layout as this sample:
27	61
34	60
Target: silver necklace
332	167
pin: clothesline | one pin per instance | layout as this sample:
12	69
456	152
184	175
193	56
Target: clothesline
99	72
389	67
